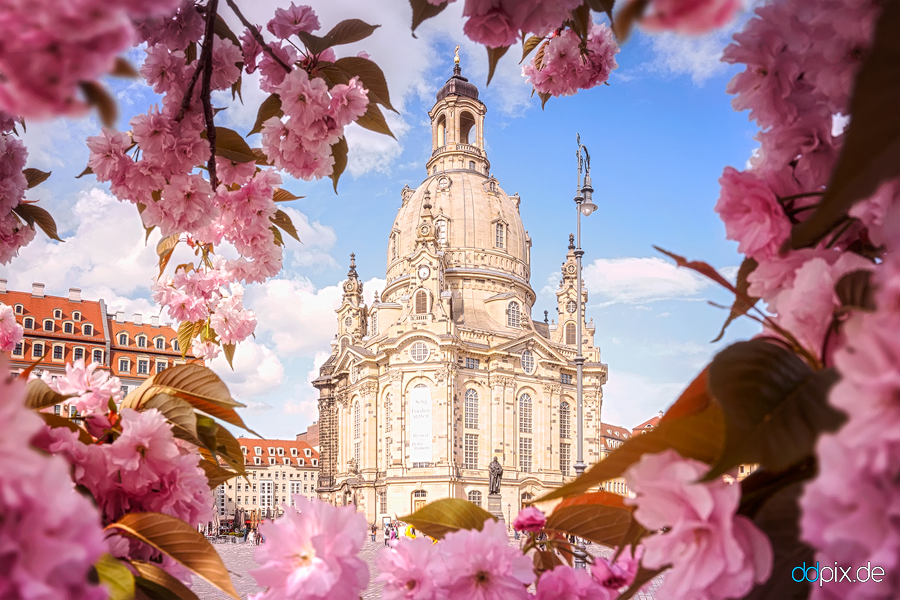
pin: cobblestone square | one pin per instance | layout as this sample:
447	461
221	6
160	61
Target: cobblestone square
238	558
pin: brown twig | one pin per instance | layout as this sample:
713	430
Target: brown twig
257	35
205	62
186	101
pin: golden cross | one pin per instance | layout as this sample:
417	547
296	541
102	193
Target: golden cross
456	58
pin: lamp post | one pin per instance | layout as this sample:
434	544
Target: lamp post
584	206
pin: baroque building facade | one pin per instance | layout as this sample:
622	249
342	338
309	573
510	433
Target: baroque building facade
447	369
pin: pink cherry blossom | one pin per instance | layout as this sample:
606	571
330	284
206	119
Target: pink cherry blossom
176	30
482	564
348	102
752	215
412	570
565	68
311	553
529	519
226	57
204	350
494	28
290	21
50	535
185	204
619	574
564	582
539	17
234	173
92	389
714	553
232	322
10	331
692	16
13	235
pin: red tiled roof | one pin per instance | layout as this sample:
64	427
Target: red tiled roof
42	308
607	429
251	443
648	424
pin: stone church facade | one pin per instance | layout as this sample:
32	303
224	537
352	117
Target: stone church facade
447	369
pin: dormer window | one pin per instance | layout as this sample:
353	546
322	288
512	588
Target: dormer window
48	325
281	452
271	451
307	452
160	343
499	235
142	342
258	450
57	314
87	330
123	339
513	316
175	346
28	323
293	452
19	309
68	328
76	316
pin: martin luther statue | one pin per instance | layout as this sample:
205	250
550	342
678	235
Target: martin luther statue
496	473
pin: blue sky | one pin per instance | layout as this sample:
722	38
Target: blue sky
659	134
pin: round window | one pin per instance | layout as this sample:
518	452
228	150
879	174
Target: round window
528	362
348	322
354	373
419	352
571	306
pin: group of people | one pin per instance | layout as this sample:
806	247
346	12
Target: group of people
393	530
253	536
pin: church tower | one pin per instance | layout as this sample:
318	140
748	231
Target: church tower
447	370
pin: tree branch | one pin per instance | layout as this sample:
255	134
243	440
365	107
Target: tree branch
257	36
205	62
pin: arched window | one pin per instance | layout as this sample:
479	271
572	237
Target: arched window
467	128
160	343
526	498
394	243
57	314
420	494
345	341
78	354
20	308
48	325
76	316
474	497
441	131
528	361
442	232
471	165
498	236
471	420
421	302
513	316
68	328
387	413
356	420
87	330
524	413
374	322
123	339
28	323
142	342
98	356
564	421
570	333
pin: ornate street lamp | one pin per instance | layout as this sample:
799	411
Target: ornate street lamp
584	206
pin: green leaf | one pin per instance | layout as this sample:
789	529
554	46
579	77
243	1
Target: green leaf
741	304
282	195
871	152
123	68
115	577
179	541
230	145
216	474
601	517
339	152
159	583
224	31
39	395
33	214
271	107
775	406
185	335
373	120
282	220
35	177
349	31
494	55
229	352
529	45
97	96
856	291
698	436
779	519
604	6
371	76
423	10
444	516
276	236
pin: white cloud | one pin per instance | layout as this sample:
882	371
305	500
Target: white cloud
630	399
305	402
316	239
640	280
697	56
257	371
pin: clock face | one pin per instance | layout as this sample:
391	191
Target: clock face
424	230
348	286
424	272
571	269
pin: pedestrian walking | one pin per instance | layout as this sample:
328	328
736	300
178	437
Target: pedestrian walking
387	534
246	531
373	530
393	534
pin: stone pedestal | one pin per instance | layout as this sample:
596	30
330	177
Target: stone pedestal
495	506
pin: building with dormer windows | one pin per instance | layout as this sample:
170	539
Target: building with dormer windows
447	369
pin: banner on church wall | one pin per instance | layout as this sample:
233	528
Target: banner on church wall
420	425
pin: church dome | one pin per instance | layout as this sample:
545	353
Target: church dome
478	225
458	85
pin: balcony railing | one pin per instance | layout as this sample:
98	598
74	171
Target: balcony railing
458	148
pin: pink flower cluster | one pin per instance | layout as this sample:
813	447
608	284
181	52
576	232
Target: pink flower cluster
566	67
498	23
10	331
50	535
144	470
800	60
530	520
50	47
301	145
689	16
91	389
311	553
850	512
14	233
714	553
465	564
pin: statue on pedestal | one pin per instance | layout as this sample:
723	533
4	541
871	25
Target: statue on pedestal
496	474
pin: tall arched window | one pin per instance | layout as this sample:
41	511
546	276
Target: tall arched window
524	413
356	420
471	420
570	333
345	341
421	302
442	232
498	236
565	421
513	316
373	320
394	249
441	131
474	497
387	413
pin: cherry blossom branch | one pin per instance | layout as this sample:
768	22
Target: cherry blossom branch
206	89
257	35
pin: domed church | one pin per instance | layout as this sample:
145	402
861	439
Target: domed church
447	370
